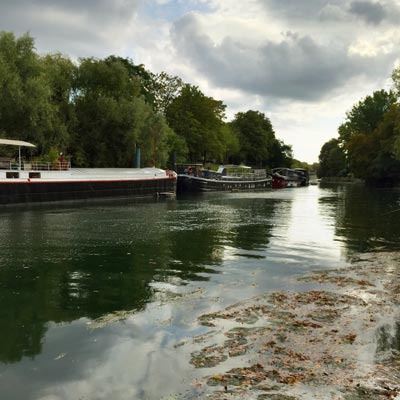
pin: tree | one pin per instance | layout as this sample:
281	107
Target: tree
60	74
113	118
138	73
332	160
26	108
199	120
281	154
258	144
164	89
396	80
385	165
230	146
110	114
365	116
369	137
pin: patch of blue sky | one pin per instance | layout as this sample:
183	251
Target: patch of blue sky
171	10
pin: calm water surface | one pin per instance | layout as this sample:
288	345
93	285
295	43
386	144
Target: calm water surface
101	301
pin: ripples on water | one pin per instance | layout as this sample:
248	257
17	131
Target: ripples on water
144	272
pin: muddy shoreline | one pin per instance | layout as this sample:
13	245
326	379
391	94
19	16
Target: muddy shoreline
340	340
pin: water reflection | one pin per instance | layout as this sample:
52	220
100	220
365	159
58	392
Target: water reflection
388	340
366	218
62	267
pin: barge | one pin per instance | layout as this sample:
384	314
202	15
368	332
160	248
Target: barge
22	182
193	178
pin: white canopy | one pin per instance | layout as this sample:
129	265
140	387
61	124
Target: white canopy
16	143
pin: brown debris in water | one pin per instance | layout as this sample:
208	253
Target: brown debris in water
300	345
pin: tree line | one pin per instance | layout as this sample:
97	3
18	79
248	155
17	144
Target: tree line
368	144
98	112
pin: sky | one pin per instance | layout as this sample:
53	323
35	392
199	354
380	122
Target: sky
303	63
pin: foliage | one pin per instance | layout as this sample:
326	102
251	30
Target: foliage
26	108
113	118
332	160
99	111
369	136
60	74
281	155
365	116
199	120
164	89
137	73
396	80
231	145
369	140
302	164
258	144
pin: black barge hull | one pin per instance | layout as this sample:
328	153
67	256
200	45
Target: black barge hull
188	183
14	192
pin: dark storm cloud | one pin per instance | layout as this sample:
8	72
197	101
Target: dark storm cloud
100	10
72	26
306	11
293	9
297	67
373	13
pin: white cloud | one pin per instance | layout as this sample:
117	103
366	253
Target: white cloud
287	59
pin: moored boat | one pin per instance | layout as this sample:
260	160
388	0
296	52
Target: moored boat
193	178
22	182
288	178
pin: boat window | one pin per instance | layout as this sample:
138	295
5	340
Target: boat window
12	175
34	174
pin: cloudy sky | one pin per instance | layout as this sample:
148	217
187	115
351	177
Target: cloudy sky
303	63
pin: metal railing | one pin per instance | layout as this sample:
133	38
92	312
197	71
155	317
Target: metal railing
237	176
36	166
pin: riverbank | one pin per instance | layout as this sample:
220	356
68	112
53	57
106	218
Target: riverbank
342	180
340	340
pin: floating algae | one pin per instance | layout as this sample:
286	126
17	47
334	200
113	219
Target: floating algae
321	341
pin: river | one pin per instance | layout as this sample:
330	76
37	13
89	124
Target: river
98	299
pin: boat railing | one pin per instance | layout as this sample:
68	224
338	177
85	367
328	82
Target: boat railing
36	166
248	176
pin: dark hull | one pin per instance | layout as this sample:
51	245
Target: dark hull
31	192
187	183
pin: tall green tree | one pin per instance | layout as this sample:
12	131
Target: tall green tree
230	146
109	114
60	73
281	154
258	144
27	110
164	89
199	120
369	137
113	118
366	115
332	160
138	73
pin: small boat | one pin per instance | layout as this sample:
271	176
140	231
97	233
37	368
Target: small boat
22	182
304	176
195	178
289	178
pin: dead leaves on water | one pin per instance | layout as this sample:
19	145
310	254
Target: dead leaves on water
311	338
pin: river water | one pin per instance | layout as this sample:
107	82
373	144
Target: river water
100	301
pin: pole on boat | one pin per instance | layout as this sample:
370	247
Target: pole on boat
137	157
19	158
